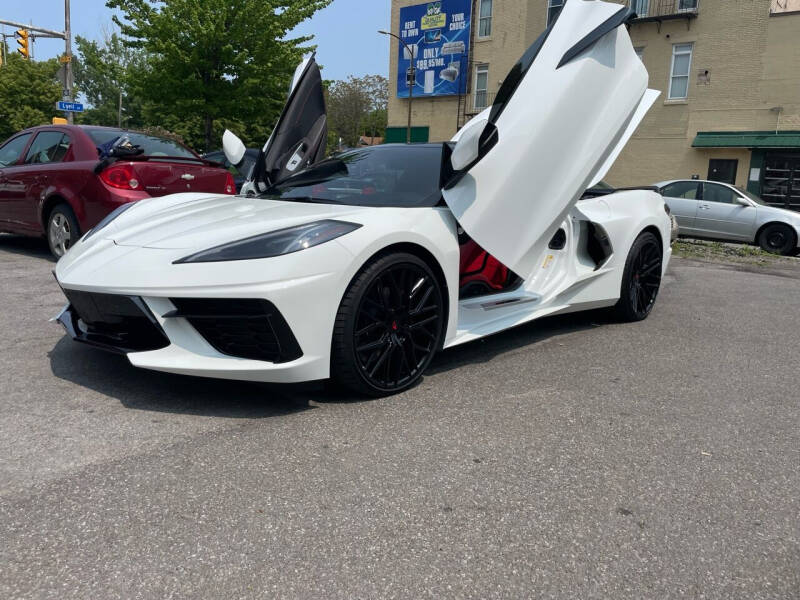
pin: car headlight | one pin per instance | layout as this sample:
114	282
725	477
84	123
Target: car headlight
274	243
108	218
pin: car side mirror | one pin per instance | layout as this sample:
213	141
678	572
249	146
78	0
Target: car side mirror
468	146
742	201
233	148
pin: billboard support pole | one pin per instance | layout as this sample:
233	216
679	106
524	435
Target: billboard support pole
413	75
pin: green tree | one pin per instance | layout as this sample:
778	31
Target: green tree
29	91
215	61
356	107
105	72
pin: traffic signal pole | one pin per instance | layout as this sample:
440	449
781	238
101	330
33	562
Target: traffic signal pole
68	60
65	35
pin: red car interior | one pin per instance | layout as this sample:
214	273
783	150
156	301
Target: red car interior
480	272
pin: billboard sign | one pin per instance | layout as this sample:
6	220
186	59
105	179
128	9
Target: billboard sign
438	35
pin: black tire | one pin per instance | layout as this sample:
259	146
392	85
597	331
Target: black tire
389	326
777	238
641	279
62	230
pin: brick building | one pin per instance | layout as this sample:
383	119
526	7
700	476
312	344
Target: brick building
728	71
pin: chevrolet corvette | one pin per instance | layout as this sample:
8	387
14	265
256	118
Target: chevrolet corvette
360	267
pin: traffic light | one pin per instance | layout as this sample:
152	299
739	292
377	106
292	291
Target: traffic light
22	40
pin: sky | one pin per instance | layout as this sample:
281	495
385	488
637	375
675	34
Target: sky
346	31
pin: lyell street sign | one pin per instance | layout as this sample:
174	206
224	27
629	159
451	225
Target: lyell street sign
70	106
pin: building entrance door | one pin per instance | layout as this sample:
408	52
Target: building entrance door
781	184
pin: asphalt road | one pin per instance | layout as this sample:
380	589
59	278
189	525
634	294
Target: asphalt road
571	458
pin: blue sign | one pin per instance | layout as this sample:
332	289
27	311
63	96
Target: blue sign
69	106
437	33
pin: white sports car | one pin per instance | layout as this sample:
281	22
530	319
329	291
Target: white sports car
360	267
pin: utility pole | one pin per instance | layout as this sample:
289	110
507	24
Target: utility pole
412	78
68	59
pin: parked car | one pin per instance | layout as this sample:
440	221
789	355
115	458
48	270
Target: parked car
241	173
361	267
54	181
719	211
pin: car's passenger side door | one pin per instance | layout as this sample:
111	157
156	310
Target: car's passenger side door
12	190
721	214
681	197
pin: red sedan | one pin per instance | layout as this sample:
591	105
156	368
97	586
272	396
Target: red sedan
60	181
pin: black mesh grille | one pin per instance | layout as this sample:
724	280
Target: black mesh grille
116	322
244	328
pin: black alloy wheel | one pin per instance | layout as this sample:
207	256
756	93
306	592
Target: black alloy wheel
389	326
641	279
777	239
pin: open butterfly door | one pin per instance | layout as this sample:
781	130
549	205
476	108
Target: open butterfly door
300	137
560	117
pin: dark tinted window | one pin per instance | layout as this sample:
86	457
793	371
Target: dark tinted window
11	151
152	145
718	193
681	189
401	175
47	147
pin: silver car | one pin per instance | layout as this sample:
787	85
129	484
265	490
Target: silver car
709	209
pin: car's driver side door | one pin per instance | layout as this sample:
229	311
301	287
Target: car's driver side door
12	188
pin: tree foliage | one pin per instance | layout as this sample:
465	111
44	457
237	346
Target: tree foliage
105	73
29	91
356	107
213	63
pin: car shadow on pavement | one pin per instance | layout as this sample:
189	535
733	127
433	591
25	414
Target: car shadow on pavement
488	348
27	246
141	389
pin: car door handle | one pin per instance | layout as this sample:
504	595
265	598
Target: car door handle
704	207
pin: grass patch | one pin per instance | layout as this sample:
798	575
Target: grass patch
727	252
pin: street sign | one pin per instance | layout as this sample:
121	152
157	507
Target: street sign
64	58
70	106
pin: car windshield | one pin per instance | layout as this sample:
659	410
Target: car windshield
390	175
152	145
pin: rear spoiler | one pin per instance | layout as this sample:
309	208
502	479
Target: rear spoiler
105	162
594	192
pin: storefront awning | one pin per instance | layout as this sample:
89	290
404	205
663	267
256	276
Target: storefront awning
747	139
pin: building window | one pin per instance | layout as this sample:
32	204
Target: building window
485	22
481	86
679	77
553	10
641	7
687	5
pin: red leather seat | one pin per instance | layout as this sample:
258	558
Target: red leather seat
479	269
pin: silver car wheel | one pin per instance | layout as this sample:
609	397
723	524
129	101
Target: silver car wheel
60	234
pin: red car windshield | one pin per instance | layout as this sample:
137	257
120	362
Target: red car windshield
153	146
